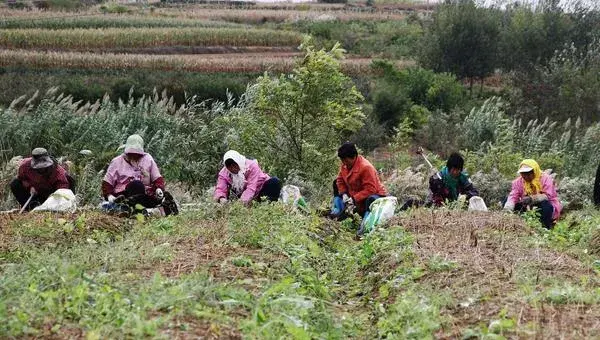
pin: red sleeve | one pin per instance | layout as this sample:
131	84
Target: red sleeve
369	184
60	181
107	189
22	174
159	183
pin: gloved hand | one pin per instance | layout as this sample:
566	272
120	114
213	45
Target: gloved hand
462	198
527	200
222	200
348	204
347	199
111	198
159	194
32	191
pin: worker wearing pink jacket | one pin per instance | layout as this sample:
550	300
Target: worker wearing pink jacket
534	189
242	178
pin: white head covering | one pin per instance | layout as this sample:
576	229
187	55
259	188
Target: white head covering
239	179
134	144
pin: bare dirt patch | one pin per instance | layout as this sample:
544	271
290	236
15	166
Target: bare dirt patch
489	262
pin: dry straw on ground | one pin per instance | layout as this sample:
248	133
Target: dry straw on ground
493	258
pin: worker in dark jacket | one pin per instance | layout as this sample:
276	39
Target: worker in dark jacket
39	176
450	183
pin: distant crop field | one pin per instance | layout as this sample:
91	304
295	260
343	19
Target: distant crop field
144	37
256	16
213	63
106	21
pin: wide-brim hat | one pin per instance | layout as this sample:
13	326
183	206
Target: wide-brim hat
134	144
40	159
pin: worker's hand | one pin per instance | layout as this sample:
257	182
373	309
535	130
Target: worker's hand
347	199
527	200
462	198
222	200
159	194
32	191
539	198
111	198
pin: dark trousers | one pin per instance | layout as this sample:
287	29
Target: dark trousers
21	193
271	189
135	193
597	188
545	210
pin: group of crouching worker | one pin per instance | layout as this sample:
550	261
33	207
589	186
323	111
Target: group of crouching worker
133	183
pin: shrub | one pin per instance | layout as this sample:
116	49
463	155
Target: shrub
412	93
297	121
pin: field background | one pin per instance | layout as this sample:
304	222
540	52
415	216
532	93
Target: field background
286	83
170	45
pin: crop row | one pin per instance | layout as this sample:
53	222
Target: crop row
230	63
144	37
267	15
106	21
250	16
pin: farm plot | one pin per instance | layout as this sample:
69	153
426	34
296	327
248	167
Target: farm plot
206	63
106	21
81	39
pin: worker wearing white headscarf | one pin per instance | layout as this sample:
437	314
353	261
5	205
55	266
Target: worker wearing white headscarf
242	178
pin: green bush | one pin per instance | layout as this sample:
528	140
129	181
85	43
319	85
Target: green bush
412	93
567	87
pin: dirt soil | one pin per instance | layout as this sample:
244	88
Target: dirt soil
493	262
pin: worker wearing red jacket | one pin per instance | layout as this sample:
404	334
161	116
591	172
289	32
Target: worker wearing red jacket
357	184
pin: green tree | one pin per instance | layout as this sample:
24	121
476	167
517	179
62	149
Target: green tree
530	36
462	39
411	94
296	121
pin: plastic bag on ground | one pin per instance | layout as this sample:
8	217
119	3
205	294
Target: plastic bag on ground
290	194
476	203
62	200
381	210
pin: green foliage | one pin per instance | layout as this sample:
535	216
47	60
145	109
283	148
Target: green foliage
486	124
371	135
531	35
89	86
566	87
412	93
296	121
387	39
462	39
411	317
